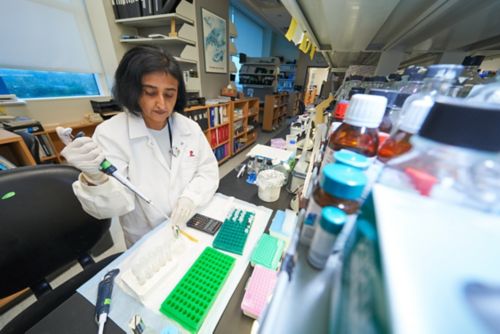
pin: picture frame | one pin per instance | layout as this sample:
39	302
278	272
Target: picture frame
214	42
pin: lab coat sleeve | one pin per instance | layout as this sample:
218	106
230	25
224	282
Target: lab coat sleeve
103	201
205	182
110	198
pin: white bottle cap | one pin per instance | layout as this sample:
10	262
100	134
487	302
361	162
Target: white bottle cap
415	114
365	110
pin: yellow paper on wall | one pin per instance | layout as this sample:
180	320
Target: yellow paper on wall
305	44
312	52
291	29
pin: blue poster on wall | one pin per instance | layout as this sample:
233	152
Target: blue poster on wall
215	42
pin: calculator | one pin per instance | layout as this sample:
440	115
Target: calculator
204	224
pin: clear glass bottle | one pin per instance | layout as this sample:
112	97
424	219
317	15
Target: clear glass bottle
359	132
455	156
339	186
438	81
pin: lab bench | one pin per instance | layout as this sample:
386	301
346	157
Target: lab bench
76	315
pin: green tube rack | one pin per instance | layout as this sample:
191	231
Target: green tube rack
191	299
233	233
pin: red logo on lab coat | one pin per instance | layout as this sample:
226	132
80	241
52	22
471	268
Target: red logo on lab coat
191	153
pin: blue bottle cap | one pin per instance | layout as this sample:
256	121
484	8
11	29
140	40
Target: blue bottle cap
332	219
342	181
352	159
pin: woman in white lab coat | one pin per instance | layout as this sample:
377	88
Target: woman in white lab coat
162	152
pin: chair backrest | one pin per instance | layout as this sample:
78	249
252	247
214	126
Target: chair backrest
42	225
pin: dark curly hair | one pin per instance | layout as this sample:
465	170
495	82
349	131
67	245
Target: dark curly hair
137	62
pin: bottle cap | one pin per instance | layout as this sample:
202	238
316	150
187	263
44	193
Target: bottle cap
340	109
342	181
415	115
458	122
351	159
365	110
332	219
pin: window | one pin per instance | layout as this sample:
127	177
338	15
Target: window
53	54
43	84
250	38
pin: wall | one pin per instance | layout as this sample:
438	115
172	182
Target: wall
284	48
211	83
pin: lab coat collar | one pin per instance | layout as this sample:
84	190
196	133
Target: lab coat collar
137	127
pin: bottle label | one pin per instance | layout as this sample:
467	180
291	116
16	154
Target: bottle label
313	213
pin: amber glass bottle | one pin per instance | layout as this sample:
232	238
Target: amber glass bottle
359	132
399	142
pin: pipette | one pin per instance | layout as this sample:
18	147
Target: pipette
106	167
103	303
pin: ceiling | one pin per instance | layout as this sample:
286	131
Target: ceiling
359	31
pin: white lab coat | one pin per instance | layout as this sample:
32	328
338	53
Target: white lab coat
128	145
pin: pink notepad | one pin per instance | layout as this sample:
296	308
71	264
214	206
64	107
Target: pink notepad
258	291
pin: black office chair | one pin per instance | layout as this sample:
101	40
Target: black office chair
43	229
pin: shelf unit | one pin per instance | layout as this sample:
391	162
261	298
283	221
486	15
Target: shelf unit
179	35
245	115
286	77
229	127
275	110
13	148
259	76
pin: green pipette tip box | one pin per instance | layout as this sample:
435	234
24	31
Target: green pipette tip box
233	233
191	299
267	252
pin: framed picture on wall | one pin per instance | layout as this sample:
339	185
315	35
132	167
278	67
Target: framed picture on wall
214	42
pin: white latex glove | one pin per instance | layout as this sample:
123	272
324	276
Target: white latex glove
84	154
182	212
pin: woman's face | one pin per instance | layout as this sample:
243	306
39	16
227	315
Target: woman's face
158	98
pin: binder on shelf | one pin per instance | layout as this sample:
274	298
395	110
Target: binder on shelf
147	7
166	6
115	9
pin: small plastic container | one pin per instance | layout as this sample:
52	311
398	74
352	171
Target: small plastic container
269	182
331	223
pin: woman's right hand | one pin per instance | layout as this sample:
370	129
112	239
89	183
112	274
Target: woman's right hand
84	154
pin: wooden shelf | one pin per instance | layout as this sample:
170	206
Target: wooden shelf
275	107
238	119
224	159
220	144
13	148
239	135
218	126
